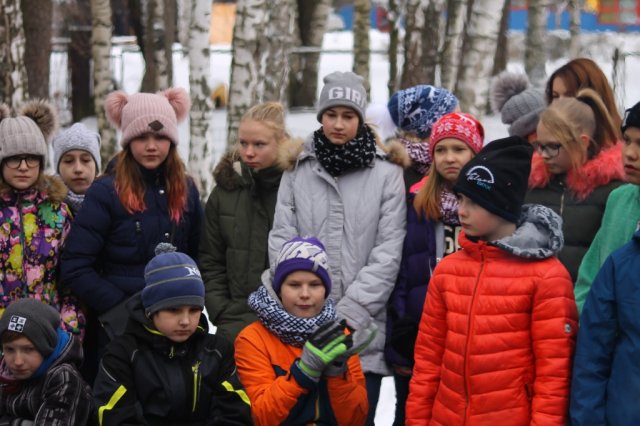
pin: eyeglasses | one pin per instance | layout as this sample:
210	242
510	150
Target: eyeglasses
631	118
15	161
551	149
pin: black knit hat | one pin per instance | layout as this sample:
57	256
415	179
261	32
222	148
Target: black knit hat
36	320
497	177
631	118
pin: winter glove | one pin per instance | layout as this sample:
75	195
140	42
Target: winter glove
359	340
324	345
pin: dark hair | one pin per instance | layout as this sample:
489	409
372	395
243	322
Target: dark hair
10	336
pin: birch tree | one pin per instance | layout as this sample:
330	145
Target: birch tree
393	14
434	24
259	64
101	50
574	7
158	36
479	47
413	71
14	87
201	153
361	26
37	15
451	54
534	53
310	30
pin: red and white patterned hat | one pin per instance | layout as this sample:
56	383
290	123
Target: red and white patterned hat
458	125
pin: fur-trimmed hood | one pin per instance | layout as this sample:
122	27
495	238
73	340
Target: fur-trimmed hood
600	170
50	187
230	173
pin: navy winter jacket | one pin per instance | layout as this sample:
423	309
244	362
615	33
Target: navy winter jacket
107	248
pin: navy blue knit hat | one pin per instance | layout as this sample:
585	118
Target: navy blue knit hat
302	254
172	279
417	108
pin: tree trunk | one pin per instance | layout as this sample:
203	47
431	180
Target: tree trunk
413	71
361	26
431	39
393	13
280	27
534	53
201	152
479	50
303	78
502	52
36	15
574	28
169	37
184	20
101	42
14	88
452	46
79	56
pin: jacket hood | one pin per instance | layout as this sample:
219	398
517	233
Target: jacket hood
537	236
231	173
598	171
50	187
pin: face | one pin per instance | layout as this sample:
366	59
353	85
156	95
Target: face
179	323
558	88
449	156
77	170
21	171
631	155
150	150
340	124
481	223
22	358
258	145
302	294
547	146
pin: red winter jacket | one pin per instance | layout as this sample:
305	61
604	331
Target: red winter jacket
495	342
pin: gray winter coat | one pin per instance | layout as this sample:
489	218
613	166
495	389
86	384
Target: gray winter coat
360	218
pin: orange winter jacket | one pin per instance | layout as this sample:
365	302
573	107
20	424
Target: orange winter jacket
495	342
281	394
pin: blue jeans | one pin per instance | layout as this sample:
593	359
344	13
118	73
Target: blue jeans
373	382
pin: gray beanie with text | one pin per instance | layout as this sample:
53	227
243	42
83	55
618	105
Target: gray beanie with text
344	89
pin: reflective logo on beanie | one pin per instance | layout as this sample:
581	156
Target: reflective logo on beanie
347	93
482	176
192	271
156	126
17	323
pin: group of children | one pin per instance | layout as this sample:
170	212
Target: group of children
319	273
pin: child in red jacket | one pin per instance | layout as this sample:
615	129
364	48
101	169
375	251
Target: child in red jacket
498	329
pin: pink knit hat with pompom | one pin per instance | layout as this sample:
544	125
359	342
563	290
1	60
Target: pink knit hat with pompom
143	113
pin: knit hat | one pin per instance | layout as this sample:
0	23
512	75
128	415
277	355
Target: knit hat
29	132
458	125
143	113
518	104
344	89
302	254
497	177
631	118
36	320
79	137
416	108
172	279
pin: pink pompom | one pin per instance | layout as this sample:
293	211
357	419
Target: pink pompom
113	106
179	100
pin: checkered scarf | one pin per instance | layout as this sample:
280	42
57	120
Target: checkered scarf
290	329
449	207
419	154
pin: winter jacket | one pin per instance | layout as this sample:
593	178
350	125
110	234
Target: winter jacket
620	220
108	247
360	218
59	397
34	226
146	379
281	393
498	332
579	197
233	248
606	373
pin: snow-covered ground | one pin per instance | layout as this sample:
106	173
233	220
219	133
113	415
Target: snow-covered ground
128	70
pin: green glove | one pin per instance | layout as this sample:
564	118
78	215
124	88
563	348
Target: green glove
359	340
324	345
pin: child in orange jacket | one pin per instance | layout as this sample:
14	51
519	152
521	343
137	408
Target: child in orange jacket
499	324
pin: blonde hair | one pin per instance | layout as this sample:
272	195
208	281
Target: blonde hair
270	115
569	118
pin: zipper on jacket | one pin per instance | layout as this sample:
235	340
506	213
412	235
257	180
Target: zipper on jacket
469	328
562	203
197	379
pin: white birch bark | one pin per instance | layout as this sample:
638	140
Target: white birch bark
201	153
535	53
452	46
361	26
159	51
101	52
412	70
478	52
184	20
14	89
574	7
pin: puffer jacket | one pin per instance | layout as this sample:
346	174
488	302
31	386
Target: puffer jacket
59	397
108	247
34	226
146	379
360	218
498	332
579	197
606	372
233	249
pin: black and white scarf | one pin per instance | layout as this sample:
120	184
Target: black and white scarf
449	207
336	159
290	329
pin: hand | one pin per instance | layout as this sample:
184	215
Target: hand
325	344
359	340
